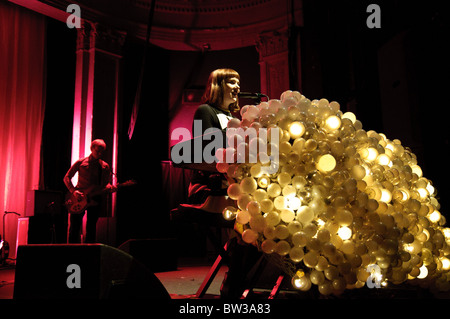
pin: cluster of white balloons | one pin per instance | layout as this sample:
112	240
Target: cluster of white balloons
347	207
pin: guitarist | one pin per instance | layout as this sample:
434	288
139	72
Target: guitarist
94	176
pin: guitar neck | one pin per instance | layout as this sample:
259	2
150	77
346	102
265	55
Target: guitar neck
105	190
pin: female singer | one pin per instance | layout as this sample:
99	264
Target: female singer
219	101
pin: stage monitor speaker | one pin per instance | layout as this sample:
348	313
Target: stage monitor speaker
158	254
43	202
47	229
82	271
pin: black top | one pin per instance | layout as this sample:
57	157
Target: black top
211	117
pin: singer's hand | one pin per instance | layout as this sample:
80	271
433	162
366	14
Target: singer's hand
78	195
111	188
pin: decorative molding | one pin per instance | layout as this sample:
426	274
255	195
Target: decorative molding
201	6
99	37
271	43
85	34
108	39
187	25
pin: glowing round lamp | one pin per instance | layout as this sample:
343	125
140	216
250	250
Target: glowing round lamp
430	189
326	163
372	154
345	233
423	193
287	215
434	217
296	129
292	202
445	263
350	116
384	159
423	272
332	123
229	213
417	170
300	281
385	196
263	181
405	195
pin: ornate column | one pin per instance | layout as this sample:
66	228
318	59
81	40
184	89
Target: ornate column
83	104
273	60
96	107
279	62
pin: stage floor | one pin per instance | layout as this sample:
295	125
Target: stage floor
7	281
181	283
184	282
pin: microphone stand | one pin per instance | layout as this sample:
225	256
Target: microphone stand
254	96
258	100
5	243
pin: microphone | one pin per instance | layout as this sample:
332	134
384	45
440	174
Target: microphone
12	213
248	95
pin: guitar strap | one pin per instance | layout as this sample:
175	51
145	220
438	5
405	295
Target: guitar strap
100	171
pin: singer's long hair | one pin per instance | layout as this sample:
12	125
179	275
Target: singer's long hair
215	88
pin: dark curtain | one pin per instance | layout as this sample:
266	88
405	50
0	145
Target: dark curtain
175	183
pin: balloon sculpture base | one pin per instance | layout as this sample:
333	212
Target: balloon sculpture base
347	209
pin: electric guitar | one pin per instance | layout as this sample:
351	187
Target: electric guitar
77	204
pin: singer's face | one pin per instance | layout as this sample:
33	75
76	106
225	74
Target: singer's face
97	151
232	89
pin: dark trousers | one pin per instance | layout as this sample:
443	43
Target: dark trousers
76	222
242	258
